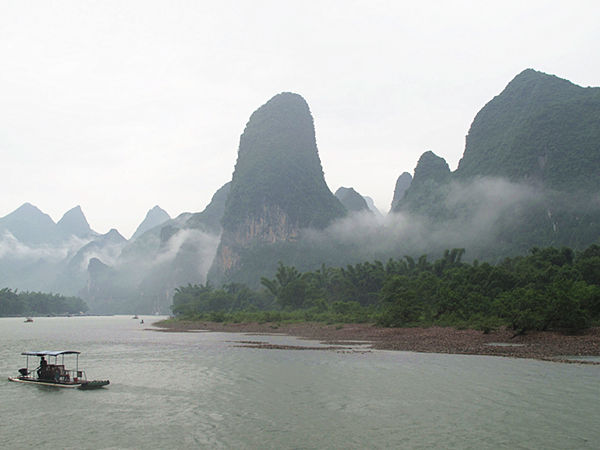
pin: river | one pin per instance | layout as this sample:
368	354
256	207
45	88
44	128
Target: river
202	390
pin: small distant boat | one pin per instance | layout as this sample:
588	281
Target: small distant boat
135	317
28	319
56	375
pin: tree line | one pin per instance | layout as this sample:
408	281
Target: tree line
550	288
13	303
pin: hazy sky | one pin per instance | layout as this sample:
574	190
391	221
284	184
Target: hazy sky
121	105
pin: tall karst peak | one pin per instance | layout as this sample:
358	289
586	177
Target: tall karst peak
278	186
278	168
154	217
539	129
431	168
74	223
431	175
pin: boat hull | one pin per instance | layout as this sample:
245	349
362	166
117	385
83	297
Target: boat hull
94	384
44	382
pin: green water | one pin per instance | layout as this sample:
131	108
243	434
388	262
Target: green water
198	390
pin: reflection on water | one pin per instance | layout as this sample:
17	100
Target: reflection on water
191	390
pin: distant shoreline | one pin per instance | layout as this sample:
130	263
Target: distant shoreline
542	345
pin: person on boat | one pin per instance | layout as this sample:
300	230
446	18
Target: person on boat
43	367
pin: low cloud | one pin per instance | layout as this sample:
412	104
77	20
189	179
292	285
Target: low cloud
475	214
185	258
186	244
12	248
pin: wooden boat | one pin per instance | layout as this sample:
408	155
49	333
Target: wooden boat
28	319
55	374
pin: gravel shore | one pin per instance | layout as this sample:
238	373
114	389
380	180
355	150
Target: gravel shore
547	345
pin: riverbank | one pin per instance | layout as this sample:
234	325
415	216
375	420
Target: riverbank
547	345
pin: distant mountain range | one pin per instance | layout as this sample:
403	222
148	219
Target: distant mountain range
31	226
529	176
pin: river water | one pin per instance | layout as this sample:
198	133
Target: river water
200	390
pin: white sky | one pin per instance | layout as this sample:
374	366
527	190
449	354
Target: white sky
121	105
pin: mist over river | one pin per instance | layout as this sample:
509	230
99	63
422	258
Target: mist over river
202	390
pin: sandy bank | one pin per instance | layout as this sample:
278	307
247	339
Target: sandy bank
546	345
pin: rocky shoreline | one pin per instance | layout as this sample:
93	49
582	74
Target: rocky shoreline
547	345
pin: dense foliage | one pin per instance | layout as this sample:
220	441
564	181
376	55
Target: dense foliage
13	303
547	289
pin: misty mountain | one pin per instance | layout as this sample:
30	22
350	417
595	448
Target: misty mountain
74	223
148	268
34	251
210	219
29	225
530	172
106	247
154	217
529	177
104	292
72	272
351	199
540	129
278	186
371	205
402	184
426	189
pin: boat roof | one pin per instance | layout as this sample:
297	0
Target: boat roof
51	353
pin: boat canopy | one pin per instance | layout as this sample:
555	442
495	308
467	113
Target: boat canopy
51	353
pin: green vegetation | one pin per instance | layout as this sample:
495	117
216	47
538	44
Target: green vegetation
13	303
547	289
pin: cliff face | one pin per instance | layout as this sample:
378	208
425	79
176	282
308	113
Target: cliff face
271	226
278	186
